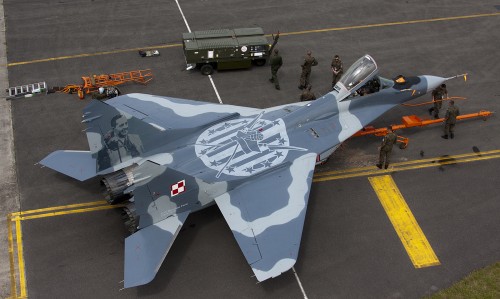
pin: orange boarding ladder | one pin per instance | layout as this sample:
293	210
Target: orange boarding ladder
410	121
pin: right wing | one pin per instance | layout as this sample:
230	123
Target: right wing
267	214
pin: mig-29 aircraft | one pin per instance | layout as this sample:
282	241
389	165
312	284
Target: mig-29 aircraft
173	157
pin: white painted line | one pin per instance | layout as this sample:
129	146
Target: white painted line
300	284
215	88
185	21
189	29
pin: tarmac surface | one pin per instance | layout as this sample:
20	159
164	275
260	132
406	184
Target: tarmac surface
349	247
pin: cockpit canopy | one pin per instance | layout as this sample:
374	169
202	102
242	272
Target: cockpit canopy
360	72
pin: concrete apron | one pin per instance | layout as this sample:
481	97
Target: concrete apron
9	192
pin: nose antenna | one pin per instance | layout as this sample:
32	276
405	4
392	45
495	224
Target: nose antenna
457	76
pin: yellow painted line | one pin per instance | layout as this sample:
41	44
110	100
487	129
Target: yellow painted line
20	259
93	203
20	216
375	171
368	168
89	55
76	211
394	23
268	35
418	248
13	287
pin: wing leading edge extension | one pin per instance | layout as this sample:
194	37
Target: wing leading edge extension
267	215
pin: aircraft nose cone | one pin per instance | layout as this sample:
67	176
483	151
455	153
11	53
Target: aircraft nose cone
433	82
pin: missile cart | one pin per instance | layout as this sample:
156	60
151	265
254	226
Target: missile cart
225	49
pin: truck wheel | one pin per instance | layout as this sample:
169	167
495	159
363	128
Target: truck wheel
260	62
207	69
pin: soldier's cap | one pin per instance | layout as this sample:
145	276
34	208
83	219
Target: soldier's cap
443	85
337	57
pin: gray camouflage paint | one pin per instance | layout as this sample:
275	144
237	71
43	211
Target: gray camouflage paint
256	165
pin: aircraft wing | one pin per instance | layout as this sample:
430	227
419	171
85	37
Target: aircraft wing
267	215
166	113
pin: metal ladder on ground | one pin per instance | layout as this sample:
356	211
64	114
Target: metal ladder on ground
18	91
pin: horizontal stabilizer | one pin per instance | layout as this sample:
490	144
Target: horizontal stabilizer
76	164
146	249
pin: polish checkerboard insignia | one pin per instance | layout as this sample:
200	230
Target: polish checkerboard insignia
178	188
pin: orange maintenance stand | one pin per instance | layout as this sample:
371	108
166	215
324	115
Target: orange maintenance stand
410	121
93	82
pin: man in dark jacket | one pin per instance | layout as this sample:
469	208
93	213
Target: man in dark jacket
438	95
276	63
337	70
309	61
307	94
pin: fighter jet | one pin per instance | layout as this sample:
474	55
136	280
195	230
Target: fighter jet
170	157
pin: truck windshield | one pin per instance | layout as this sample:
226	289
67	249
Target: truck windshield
359	71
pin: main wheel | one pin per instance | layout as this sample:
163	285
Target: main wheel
207	69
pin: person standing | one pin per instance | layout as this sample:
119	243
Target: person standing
276	63
386	148
337	69
307	94
309	61
438	95
450	120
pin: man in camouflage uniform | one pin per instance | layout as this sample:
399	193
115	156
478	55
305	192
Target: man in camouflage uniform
337	70
450	119
309	61
438	95
386	148
307	94
276	63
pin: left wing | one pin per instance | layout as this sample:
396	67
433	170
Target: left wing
267	215
166	113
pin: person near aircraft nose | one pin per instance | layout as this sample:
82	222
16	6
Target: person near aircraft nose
309	61
450	119
337	69
307	94
386	148
438	95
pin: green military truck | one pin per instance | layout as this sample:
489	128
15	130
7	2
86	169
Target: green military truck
225	49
